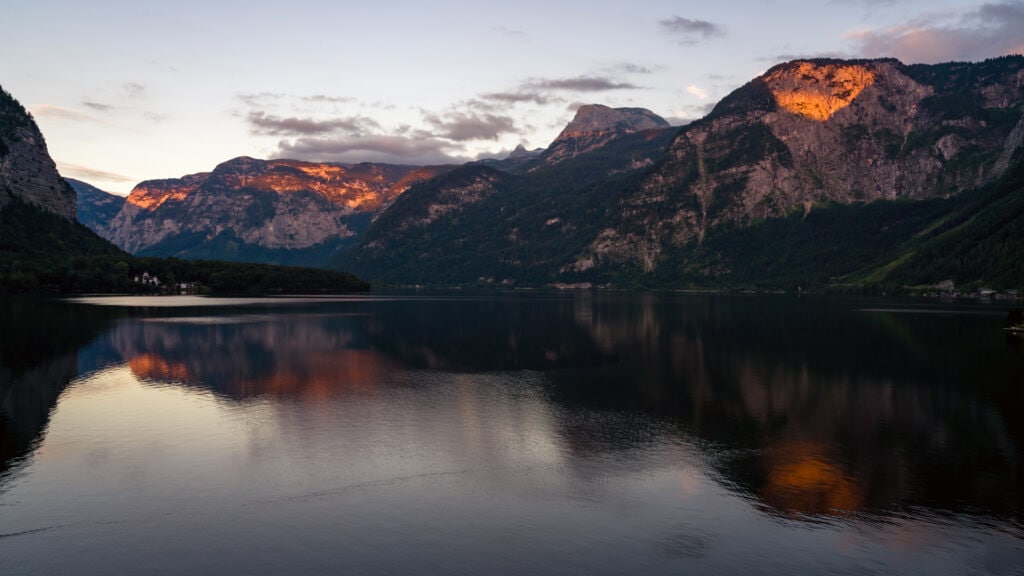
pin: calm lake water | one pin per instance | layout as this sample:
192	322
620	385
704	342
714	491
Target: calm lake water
510	434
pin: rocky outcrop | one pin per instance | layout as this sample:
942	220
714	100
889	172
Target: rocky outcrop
594	126
267	204
26	170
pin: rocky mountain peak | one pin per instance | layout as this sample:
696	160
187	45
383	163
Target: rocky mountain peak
521	153
595	125
596	118
817	89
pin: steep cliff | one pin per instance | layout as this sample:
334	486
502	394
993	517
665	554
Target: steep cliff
26	170
283	211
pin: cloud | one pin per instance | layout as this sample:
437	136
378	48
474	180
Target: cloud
158	64
690	113
990	30
540	91
133	89
374	148
51	111
507	31
700	93
789	56
691	31
324	98
865	2
630	68
265	124
98	106
86	173
261	99
469	125
579	84
519	97
258	99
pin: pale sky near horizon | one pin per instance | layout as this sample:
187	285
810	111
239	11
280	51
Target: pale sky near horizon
129	91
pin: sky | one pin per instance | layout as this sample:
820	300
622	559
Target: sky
138	90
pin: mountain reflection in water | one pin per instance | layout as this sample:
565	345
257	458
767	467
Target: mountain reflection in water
809	409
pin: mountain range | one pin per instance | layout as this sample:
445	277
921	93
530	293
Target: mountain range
279	211
818	173
44	248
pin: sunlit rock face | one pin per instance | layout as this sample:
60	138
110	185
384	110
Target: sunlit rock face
817	91
151	194
268	205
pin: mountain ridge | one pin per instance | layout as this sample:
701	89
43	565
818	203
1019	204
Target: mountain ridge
620	198
43	248
286	211
804	135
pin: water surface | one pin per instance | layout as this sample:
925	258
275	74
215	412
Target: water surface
509	434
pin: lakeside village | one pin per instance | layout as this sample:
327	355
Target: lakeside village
151	283
947	290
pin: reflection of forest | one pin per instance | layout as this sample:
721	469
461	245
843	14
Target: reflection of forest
37	362
848	410
828	410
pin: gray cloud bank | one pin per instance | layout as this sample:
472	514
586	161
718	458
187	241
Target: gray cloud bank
994	29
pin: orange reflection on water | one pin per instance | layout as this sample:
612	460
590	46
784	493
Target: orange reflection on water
319	376
802	481
153	367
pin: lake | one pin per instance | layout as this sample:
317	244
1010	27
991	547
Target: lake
510	434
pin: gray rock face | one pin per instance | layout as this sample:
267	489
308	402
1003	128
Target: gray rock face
26	170
595	125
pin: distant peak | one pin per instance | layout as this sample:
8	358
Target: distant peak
599	118
521	152
239	163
